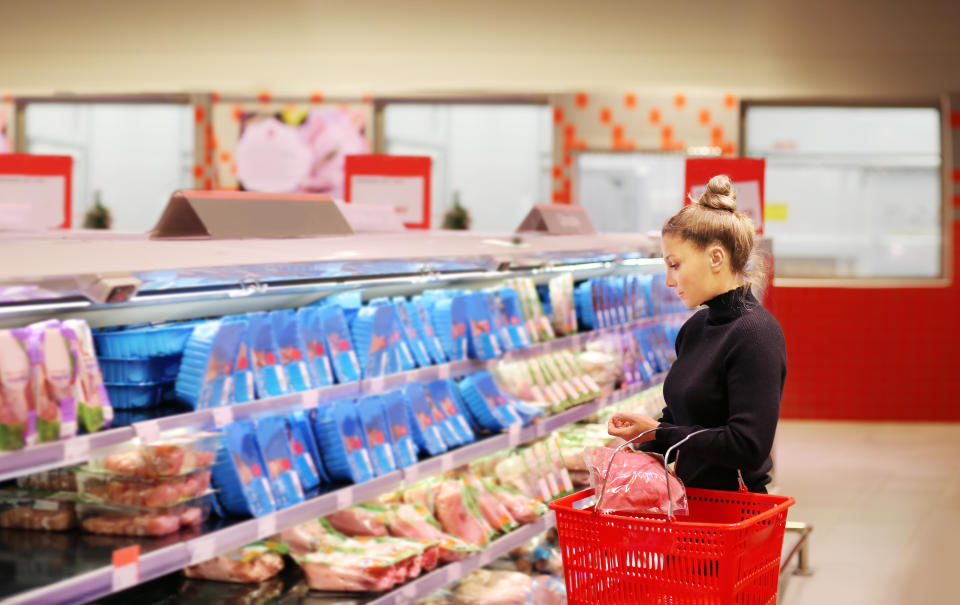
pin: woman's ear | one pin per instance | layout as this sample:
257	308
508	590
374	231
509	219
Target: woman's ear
717	256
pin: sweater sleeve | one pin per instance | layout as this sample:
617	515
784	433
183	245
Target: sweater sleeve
755	370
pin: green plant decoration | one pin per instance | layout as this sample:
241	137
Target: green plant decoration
99	216
456	217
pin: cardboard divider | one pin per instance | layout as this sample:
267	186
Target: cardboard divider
558	219
240	215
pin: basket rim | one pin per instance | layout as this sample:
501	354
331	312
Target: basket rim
782	503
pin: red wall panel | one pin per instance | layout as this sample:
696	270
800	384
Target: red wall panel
872	354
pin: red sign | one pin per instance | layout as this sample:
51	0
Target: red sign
746	174
40	185
400	181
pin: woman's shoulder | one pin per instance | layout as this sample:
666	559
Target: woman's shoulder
757	321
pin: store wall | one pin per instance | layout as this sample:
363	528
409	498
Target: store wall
877	354
819	47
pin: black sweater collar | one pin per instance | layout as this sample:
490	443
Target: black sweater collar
729	305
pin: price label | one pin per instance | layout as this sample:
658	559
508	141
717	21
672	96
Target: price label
222	416
443	371
376	385
126	567
454	572
202	550
76	450
514	434
148	431
310	399
266	526
344	498
446	463
411	473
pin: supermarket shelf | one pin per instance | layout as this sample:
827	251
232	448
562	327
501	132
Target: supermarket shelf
167	559
77	450
440	577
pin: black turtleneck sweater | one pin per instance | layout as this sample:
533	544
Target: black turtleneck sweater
728	377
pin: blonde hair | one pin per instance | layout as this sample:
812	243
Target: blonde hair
714	219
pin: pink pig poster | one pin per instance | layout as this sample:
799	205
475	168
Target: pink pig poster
299	150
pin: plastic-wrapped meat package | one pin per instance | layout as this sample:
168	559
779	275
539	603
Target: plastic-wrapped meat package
138	491
309	537
637	482
348	571
415	522
16	391
165	458
147	524
493	511
523	509
47	511
53	380
359	521
254	563
548	590
483	587
458	515
421	494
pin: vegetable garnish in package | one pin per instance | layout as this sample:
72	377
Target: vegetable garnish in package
340	437
408	320
17	411
93	408
303	463
269	375
240	475
302	440
253	563
53	381
440	392
459	515
359	521
293	349
521	507
318	355
275	445
636	483
37	510
377	436
420	315
425	427
494	513
346	366
206	377
483	341
399	430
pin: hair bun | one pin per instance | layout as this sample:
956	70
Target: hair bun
719	194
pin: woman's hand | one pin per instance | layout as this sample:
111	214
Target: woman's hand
627	426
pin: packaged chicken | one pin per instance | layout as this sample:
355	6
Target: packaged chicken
94	411
310	536
57	480
459	515
164	458
53	379
483	587
416	522
522	508
345	570
253	563
493	511
359	521
28	509
422	493
132	490
636	482
16	391
111	519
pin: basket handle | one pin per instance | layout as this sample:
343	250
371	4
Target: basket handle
603	488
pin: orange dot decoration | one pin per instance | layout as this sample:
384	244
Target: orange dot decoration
237	112
630	100
716	136
557	172
316	97
567	160
581	100
264	96
367	98
199	114
197	171
956	176
226	157
729	101
680	100
654	116
215	97
704	116
558	115
606	115
729	148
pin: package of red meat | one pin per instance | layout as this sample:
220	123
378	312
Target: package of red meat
169	457
635	484
415	522
359	521
112	519
26	509
253	563
133	490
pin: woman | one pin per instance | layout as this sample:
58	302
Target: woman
731	357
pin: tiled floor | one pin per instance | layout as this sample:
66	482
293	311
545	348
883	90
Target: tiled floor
884	500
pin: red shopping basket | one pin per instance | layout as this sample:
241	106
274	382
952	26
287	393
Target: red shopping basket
726	551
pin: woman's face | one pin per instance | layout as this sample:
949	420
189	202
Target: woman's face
689	271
